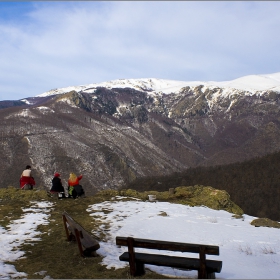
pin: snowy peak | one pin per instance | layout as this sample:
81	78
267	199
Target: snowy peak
148	85
255	82
251	83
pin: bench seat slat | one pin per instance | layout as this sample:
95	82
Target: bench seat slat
172	261
166	245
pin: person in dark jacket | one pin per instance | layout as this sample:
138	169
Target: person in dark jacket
57	184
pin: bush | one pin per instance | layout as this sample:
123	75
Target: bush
265	222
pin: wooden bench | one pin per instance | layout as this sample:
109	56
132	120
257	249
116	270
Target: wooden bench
75	232
206	268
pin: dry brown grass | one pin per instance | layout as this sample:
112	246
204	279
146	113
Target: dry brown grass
53	255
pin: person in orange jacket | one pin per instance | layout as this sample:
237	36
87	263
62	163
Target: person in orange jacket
74	188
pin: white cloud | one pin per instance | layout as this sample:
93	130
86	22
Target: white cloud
62	44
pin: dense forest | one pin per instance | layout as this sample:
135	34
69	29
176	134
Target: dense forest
254	185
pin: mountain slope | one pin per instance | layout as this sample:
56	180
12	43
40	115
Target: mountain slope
117	131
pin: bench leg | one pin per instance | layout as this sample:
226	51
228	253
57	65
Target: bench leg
206	275
202	267
136	268
140	268
210	275
131	253
77	235
90	253
66	228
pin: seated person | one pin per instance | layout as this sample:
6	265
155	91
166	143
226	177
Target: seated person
26	180
74	188
57	185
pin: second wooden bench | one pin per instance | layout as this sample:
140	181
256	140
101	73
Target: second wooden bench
206	268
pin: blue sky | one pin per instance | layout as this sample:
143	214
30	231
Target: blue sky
46	45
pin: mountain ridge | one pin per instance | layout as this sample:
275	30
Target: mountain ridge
247	83
114	135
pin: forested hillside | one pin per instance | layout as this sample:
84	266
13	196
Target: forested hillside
254	185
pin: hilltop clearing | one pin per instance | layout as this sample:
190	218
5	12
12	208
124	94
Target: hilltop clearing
34	242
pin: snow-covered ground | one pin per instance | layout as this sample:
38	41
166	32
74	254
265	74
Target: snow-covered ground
247	252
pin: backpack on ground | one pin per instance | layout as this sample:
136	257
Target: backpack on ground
79	190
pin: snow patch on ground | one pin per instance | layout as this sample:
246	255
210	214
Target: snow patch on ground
246	251
18	232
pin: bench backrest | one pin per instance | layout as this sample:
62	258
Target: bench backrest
168	245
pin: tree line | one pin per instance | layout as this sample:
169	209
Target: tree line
254	185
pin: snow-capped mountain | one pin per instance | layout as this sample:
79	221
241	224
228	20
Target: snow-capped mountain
114	132
252	83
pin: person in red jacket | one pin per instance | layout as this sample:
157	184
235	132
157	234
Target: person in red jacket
74	188
26	181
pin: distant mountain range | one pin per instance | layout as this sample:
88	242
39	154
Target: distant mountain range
252	83
116	131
